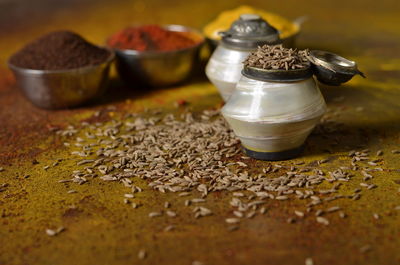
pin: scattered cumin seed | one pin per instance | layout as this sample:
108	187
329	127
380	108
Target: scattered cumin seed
142	254
241	164
232	220
322	161
52	232
238	214
365	248
187	202
333	209
154	214
233	228
169	228
250	214
309	261
197	200
299	213
281	198
319	212
290	220
322	220
170	213
64	180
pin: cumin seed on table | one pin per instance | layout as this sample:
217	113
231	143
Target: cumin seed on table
194	156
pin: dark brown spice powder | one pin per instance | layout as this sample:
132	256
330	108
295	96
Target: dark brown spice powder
60	50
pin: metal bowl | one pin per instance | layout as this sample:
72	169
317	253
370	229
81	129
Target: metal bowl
332	69
56	89
159	68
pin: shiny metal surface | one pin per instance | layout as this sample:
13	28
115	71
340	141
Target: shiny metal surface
159	68
278	75
332	69
250	31
289	41
272	116
56	89
224	69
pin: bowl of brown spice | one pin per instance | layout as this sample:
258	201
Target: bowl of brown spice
61	70
156	56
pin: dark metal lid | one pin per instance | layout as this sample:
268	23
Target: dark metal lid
250	31
267	75
332	69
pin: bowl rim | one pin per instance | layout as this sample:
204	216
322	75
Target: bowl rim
170	27
110	58
323	59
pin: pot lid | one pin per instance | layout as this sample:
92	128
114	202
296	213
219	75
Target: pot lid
250	31
332	69
286	76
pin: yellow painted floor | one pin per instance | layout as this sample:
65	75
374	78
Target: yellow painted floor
101	229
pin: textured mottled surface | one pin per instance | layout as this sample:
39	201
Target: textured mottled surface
103	230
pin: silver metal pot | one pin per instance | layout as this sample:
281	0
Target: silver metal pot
245	35
273	119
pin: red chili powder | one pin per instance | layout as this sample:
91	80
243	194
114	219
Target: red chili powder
150	38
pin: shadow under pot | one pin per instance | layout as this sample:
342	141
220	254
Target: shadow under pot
272	112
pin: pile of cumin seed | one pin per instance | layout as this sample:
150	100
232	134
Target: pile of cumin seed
277	57
197	154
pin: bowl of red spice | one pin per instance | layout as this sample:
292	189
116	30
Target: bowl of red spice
156	56
61	70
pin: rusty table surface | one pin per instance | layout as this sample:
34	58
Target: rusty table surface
101	229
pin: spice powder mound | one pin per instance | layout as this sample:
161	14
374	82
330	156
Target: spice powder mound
276	57
59	50
150	38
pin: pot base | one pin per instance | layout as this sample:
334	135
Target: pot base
274	156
